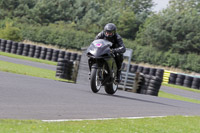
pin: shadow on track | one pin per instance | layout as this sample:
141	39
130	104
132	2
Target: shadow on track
136	99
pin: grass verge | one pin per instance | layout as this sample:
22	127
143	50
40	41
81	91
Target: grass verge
28	70
28	58
170	124
176	97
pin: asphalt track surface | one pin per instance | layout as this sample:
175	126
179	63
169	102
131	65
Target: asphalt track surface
26	97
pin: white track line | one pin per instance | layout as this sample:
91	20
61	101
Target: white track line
63	120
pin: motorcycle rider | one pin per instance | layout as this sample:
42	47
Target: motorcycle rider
118	48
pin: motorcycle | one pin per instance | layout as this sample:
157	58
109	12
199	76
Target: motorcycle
102	66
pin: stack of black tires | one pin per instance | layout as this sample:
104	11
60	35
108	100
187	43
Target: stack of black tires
67	69
184	80
151	78
64	69
3	45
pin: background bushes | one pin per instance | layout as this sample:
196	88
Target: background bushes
59	35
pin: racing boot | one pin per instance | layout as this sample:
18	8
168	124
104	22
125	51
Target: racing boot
118	76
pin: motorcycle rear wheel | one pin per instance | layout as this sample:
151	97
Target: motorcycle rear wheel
94	80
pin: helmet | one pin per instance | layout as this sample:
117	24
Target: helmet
109	30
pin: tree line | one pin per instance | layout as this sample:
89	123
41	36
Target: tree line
168	38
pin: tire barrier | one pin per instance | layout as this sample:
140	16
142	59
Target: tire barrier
188	81
152	71
79	58
14	48
184	80
159	73
166	76
55	55
49	54
31	51
179	80
151	85
172	78
8	46
146	70
73	56
20	48
133	68
67	69
149	80
140	69
26	50
43	53
67	55
36	51
61	54
196	83
3	45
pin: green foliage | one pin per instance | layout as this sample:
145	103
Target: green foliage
169	38
173	29
60	34
9	32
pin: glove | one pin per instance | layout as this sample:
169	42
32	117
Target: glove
113	51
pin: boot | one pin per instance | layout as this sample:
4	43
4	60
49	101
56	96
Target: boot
118	76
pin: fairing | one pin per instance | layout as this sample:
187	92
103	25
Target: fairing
99	48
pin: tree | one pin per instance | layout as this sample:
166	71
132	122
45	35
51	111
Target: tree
173	29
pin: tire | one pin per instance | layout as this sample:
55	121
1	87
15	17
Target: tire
172	78
94	81
111	88
188	81
140	69
152	71
43	53
8	46
152	92
61	54
196	83
159	73
73	56
26	50
37	52
67	55
134	68
180	79
14	47
31	51
146	70
3	47
79	58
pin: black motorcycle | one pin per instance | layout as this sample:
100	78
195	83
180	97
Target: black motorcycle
102	65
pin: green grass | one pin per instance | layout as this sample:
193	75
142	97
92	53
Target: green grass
28	70
28	58
176	97
170	124
181	87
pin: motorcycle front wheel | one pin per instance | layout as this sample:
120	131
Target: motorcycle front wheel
111	88
95	83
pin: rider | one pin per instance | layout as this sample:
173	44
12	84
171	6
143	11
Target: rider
118	47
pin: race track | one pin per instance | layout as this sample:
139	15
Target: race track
25	97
